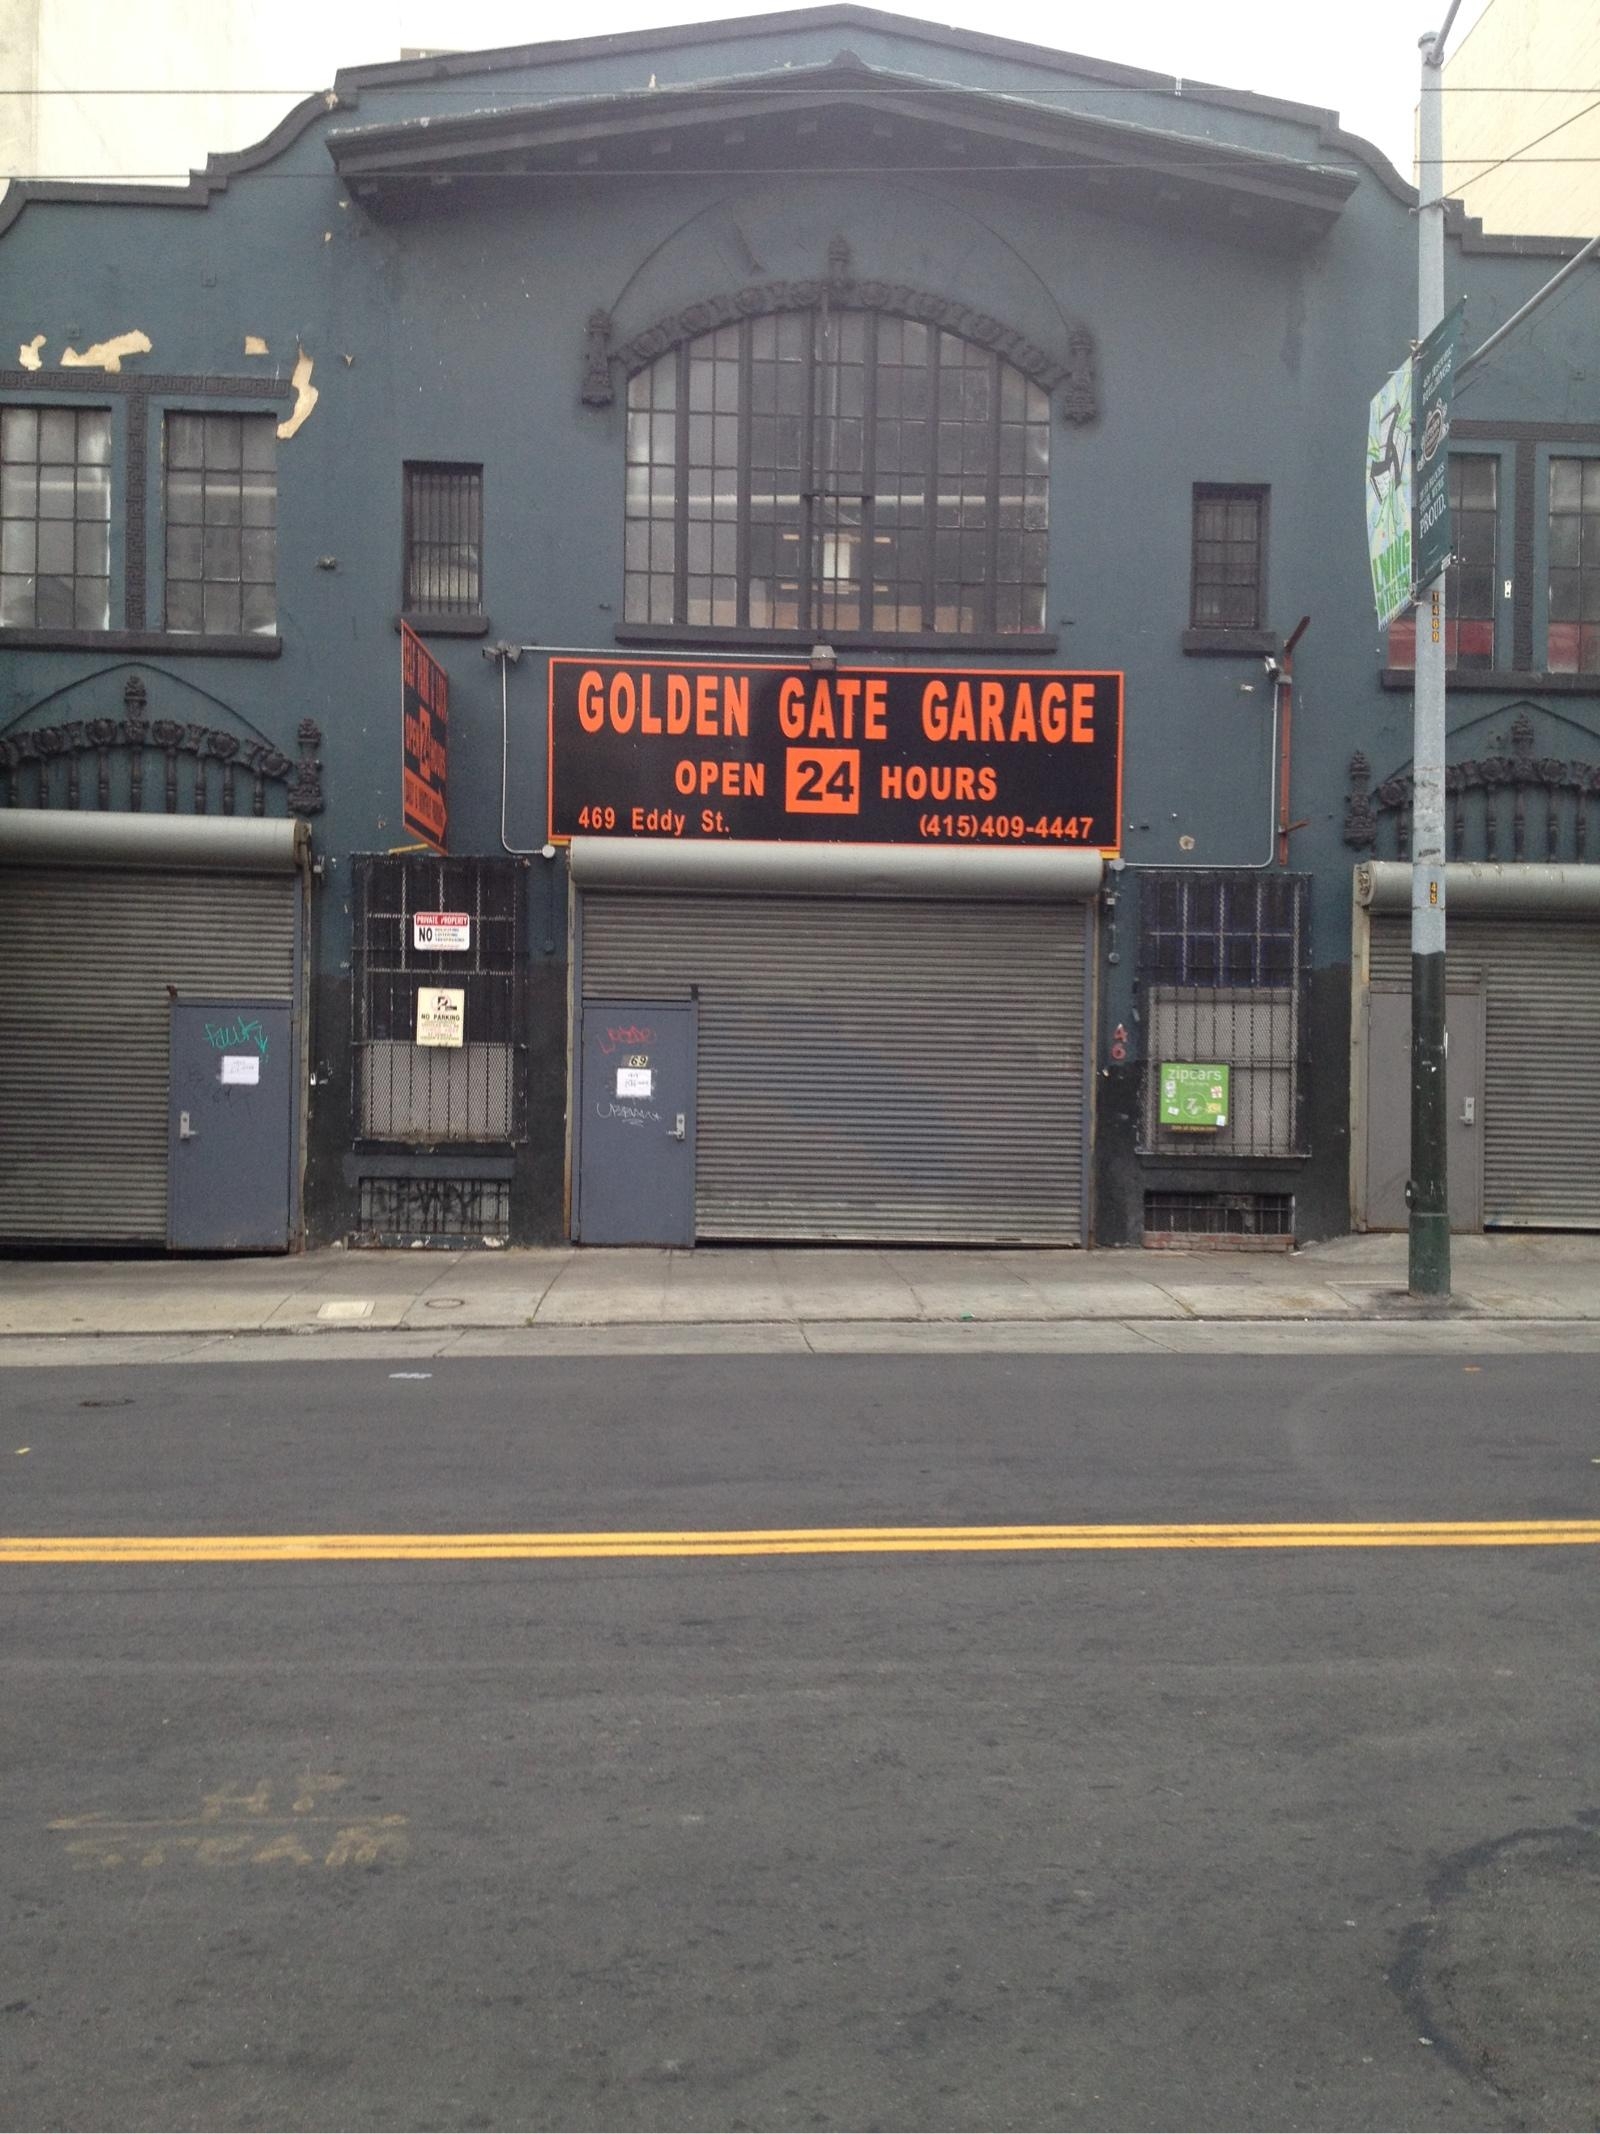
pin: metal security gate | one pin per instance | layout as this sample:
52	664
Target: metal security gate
1540	977
94	955
870	1068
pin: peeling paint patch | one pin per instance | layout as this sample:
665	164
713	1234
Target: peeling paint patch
28	354
305	396
107	355
254	345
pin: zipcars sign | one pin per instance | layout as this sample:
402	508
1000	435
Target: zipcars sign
858	755
425	741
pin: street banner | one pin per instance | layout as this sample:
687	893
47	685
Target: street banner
786	752
1434	371
425	741
1389	495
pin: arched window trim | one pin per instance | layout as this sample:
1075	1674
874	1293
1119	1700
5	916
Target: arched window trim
959	577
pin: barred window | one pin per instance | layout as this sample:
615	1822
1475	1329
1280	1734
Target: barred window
222	517
443	538
418	1093
1224	959
834	472
1574	623
55	518
1228	587
1473	483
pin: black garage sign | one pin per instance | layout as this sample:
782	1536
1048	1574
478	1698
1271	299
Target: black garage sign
854	755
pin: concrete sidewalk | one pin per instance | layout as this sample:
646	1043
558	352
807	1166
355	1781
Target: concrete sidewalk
1540	1278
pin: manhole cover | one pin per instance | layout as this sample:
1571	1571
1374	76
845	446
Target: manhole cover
443	1304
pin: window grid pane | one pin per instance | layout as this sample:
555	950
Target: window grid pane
444	538
221	523
55	518
1573	645
836	472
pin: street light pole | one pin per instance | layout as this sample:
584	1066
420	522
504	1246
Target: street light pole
1429	1237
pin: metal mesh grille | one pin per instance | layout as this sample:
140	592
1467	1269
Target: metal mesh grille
1224	959
1181	1214
443	1211
474	1091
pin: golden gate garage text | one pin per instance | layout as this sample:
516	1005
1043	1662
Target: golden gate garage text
876	755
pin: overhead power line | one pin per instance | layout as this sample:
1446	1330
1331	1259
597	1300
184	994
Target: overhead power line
777	86
1523	160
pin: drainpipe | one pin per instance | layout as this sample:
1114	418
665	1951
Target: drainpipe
1283	674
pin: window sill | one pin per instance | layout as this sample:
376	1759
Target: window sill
678	633
166	642
427	624
1501	681
1239	644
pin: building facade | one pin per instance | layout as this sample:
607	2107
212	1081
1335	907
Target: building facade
869	517
1522	133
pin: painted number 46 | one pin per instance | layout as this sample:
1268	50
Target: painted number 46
823	781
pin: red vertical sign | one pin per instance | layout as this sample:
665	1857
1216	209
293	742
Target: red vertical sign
425	740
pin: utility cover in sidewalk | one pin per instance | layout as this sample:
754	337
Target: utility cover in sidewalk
346	1308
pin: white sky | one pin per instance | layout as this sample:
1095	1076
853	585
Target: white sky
1359	56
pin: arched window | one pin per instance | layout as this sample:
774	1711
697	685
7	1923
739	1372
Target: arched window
836	471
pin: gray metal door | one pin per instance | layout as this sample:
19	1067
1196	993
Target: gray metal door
635	1143
1389	1105
870	1068
230	1165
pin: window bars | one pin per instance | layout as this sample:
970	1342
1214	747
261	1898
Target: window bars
1229	557
1224	962
474	1090
443	539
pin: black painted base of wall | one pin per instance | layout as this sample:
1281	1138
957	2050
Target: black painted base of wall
1319	1182
336	1161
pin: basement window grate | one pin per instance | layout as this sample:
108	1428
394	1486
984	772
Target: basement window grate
434	1211
1180	1214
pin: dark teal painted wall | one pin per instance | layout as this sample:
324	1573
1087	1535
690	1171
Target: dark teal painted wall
459	334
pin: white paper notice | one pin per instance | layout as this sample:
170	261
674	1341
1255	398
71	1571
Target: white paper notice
636	1082
241	1067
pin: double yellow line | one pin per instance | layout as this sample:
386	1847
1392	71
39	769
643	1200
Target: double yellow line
787	1541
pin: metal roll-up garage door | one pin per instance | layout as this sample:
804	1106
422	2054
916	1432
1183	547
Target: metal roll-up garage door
91	952
1540	974
870	1068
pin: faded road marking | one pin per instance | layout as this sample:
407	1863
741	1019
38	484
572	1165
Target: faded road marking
238	1828
788	1541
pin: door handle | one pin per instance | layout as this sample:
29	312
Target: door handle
676	1131
185	1129
1469	1111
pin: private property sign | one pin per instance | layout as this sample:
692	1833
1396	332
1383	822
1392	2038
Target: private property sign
425	741
860	755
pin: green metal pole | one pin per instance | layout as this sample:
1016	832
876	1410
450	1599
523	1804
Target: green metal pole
1429	1193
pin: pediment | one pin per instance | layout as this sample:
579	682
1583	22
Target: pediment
849	118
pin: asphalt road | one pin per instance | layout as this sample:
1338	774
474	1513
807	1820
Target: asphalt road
1154	1838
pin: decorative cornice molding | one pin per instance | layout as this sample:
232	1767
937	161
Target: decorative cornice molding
1517	772
132	738
1073	378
